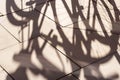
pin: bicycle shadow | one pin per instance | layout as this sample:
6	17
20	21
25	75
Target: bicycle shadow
73	50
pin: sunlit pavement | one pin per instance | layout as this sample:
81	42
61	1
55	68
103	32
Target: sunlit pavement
59	40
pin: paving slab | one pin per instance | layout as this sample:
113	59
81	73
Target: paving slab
26	24
38	23
8	23
35	59
16	22
54	37
56	10
83	46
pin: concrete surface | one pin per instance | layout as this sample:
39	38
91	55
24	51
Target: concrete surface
59	40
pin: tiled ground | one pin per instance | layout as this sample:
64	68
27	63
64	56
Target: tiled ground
59	40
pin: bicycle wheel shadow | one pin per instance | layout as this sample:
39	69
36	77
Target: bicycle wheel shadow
73	50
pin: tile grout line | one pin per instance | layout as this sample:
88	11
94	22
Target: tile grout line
62	53
48	17
66	55
10	33
7	73
75	76
67	74
110	55
72	60
8	47
15	11
92	30
25	8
